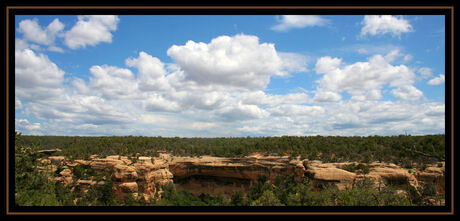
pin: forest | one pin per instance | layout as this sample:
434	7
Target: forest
401	150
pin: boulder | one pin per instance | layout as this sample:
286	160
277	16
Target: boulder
84	185
56	159
128	187
124	173
104	164
66	173
161	176
50	151
86	182
83	162
332	174
394	175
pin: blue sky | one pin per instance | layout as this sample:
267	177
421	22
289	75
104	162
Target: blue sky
216	75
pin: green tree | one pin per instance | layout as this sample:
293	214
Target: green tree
268	198
33	187
238	199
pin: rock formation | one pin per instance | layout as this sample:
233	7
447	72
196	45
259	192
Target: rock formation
145	176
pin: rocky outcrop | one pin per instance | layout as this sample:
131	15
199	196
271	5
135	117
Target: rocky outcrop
247	168
50	151
108	162
212	175
129	187
432	175
144	177
124	173
56	159
329	173
65	176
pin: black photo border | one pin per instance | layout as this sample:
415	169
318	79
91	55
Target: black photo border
12	9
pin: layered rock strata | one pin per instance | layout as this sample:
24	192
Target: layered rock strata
145	176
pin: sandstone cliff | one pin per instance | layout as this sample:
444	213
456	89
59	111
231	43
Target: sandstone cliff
144	177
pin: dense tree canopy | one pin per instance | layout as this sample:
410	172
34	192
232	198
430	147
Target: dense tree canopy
402	149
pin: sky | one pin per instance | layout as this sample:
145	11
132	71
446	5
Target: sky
229	75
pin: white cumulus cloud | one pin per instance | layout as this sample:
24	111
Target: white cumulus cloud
36	77
113	82
91	30
220	89
385	24
239	61
437	80
151	73
363	80
407	92
327	96
32	31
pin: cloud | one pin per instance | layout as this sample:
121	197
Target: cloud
260	98
326	96
55	49
392	55
32	31
293	62
203	100
25	126
408	58
385	24
113	82
36	77
381	117
17	104
156	103
365	48
240	112
202	125
437	80
287	22
425	72
151	72
363	80
20	44
375	94
407	92
205	93
297	110
327	64
91	30
239	61
435	110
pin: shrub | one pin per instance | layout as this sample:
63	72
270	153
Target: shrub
268	198
238	199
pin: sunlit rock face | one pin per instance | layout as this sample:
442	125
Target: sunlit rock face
144	177
214	175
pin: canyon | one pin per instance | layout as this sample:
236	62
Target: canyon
144	177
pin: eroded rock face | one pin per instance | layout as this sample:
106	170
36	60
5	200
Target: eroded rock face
341	178
433	175
108	162
212	175
247	168
128	187
124	173
56	159
147	175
